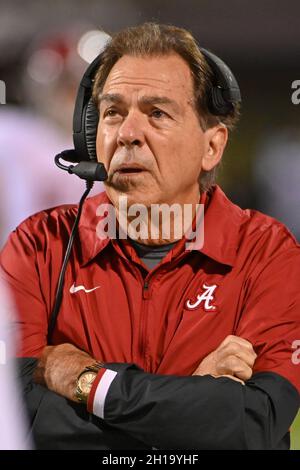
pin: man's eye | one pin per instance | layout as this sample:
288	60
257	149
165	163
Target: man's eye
110	113
158	113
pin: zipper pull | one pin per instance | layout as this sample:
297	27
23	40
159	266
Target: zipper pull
146	293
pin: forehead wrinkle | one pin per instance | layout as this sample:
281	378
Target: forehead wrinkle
118	76
158	84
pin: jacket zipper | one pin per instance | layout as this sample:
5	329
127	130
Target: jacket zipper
146	290
146	294
144	321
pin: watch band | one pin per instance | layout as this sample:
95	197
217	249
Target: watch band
95	367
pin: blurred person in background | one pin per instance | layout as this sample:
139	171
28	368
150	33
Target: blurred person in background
31	135
13	433
276	176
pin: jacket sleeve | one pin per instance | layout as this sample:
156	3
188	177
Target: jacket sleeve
270	318
20	269
171	412
59	424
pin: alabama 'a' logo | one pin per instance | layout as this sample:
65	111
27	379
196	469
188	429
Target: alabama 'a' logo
206	299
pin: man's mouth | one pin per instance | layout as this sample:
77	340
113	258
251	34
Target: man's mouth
127	169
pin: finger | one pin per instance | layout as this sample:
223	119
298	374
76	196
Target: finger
233	365
237	339
238	350
238	342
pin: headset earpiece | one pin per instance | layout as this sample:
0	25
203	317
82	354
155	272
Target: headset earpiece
226	92
85	119
91	125
216	103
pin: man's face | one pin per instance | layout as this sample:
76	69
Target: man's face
149	137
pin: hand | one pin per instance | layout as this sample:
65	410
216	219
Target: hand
59	367
234	358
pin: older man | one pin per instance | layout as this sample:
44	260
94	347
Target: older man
157	345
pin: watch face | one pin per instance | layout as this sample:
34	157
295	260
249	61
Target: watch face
86	381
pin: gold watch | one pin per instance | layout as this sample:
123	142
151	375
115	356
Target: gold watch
85	381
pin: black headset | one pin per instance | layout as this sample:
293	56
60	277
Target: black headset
222	98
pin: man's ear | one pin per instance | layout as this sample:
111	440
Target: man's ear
216	138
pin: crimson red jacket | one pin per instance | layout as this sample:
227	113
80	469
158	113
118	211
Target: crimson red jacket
243	281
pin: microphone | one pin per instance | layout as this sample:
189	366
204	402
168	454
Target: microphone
89	171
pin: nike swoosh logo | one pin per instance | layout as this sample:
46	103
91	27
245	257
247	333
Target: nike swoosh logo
74	289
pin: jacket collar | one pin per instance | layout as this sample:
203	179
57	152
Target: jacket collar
222	221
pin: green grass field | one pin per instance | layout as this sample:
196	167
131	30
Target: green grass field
295	434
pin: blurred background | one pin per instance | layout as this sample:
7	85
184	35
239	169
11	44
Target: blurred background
46	46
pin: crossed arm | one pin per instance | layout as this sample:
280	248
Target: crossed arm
59	366
222	406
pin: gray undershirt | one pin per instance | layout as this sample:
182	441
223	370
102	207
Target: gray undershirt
151	256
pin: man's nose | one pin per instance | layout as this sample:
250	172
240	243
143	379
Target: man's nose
131	130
